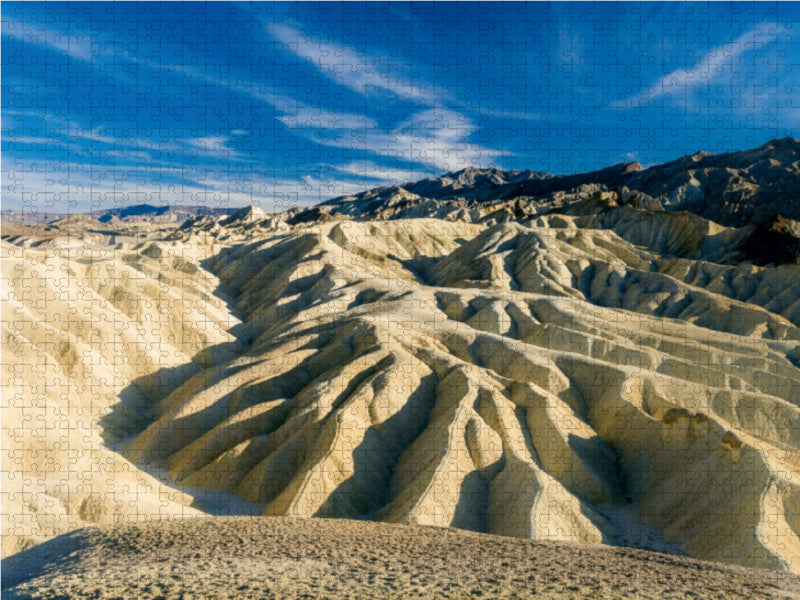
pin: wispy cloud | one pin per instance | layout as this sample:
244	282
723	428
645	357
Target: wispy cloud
24	142
571	46
382	174
95	134
512	114
124	163
144	147
293	113
213	144
80	187
307	117
434	137
274	192
79	46
352	69
720	64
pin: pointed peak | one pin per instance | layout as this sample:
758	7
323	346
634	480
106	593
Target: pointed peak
248	214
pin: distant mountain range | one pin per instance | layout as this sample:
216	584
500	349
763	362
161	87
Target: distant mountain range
125	214
733	189
147	212
758	187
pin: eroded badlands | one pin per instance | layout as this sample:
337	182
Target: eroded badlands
601	371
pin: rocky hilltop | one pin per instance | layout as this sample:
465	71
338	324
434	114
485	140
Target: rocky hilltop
733	189
604	358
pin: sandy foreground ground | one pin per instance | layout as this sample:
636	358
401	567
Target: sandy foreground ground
261	557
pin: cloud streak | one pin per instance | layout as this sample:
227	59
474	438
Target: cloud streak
307	117
435	137
294	113
718	65
381	174
215	145
80	187
79	47
357	71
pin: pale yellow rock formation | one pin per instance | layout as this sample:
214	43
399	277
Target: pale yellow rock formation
91	336
529	378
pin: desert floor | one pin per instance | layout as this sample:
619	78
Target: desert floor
262	557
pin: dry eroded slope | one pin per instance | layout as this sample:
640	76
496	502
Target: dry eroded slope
542	378
91	336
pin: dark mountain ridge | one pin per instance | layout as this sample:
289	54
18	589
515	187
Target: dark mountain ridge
733	189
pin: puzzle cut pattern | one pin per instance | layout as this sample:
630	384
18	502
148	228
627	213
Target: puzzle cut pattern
604	349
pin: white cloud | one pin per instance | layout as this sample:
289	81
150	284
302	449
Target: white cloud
512	114
79	47
306	117
76	131
382	174
75	187
434	137
294	112
278	192
32	140
350	68
357	71
66	133
213	144
571	46
719	65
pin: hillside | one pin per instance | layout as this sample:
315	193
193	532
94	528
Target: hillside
245	557
595	358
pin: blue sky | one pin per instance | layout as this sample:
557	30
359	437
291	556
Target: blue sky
110	104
